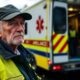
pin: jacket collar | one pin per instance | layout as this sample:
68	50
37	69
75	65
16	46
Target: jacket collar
6	51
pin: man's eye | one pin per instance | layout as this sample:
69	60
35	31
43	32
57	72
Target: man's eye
22	23
14	23
11	23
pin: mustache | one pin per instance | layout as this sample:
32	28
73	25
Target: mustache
19	34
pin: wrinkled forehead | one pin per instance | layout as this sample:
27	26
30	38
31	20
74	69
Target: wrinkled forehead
17	18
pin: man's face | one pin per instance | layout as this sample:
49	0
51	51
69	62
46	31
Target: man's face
13	31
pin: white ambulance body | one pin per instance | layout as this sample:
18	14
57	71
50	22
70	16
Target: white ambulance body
47	35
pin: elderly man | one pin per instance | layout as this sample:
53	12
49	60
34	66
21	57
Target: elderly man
13	62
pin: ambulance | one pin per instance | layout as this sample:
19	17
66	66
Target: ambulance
47	36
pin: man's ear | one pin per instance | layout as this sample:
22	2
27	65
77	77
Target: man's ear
0	35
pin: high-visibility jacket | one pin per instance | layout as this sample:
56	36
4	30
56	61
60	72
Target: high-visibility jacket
72	33
8	70
15	67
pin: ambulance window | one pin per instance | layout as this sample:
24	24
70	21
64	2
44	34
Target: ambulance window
59	19
26	28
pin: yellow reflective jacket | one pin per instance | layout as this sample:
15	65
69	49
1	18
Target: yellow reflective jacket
72	33
8	70
15	67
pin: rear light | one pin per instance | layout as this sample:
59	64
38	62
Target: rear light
49	62
57	67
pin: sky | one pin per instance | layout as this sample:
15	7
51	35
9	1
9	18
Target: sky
18	3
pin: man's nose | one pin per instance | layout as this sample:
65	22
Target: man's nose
20	27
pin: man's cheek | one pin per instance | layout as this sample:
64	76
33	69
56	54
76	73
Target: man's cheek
10	37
